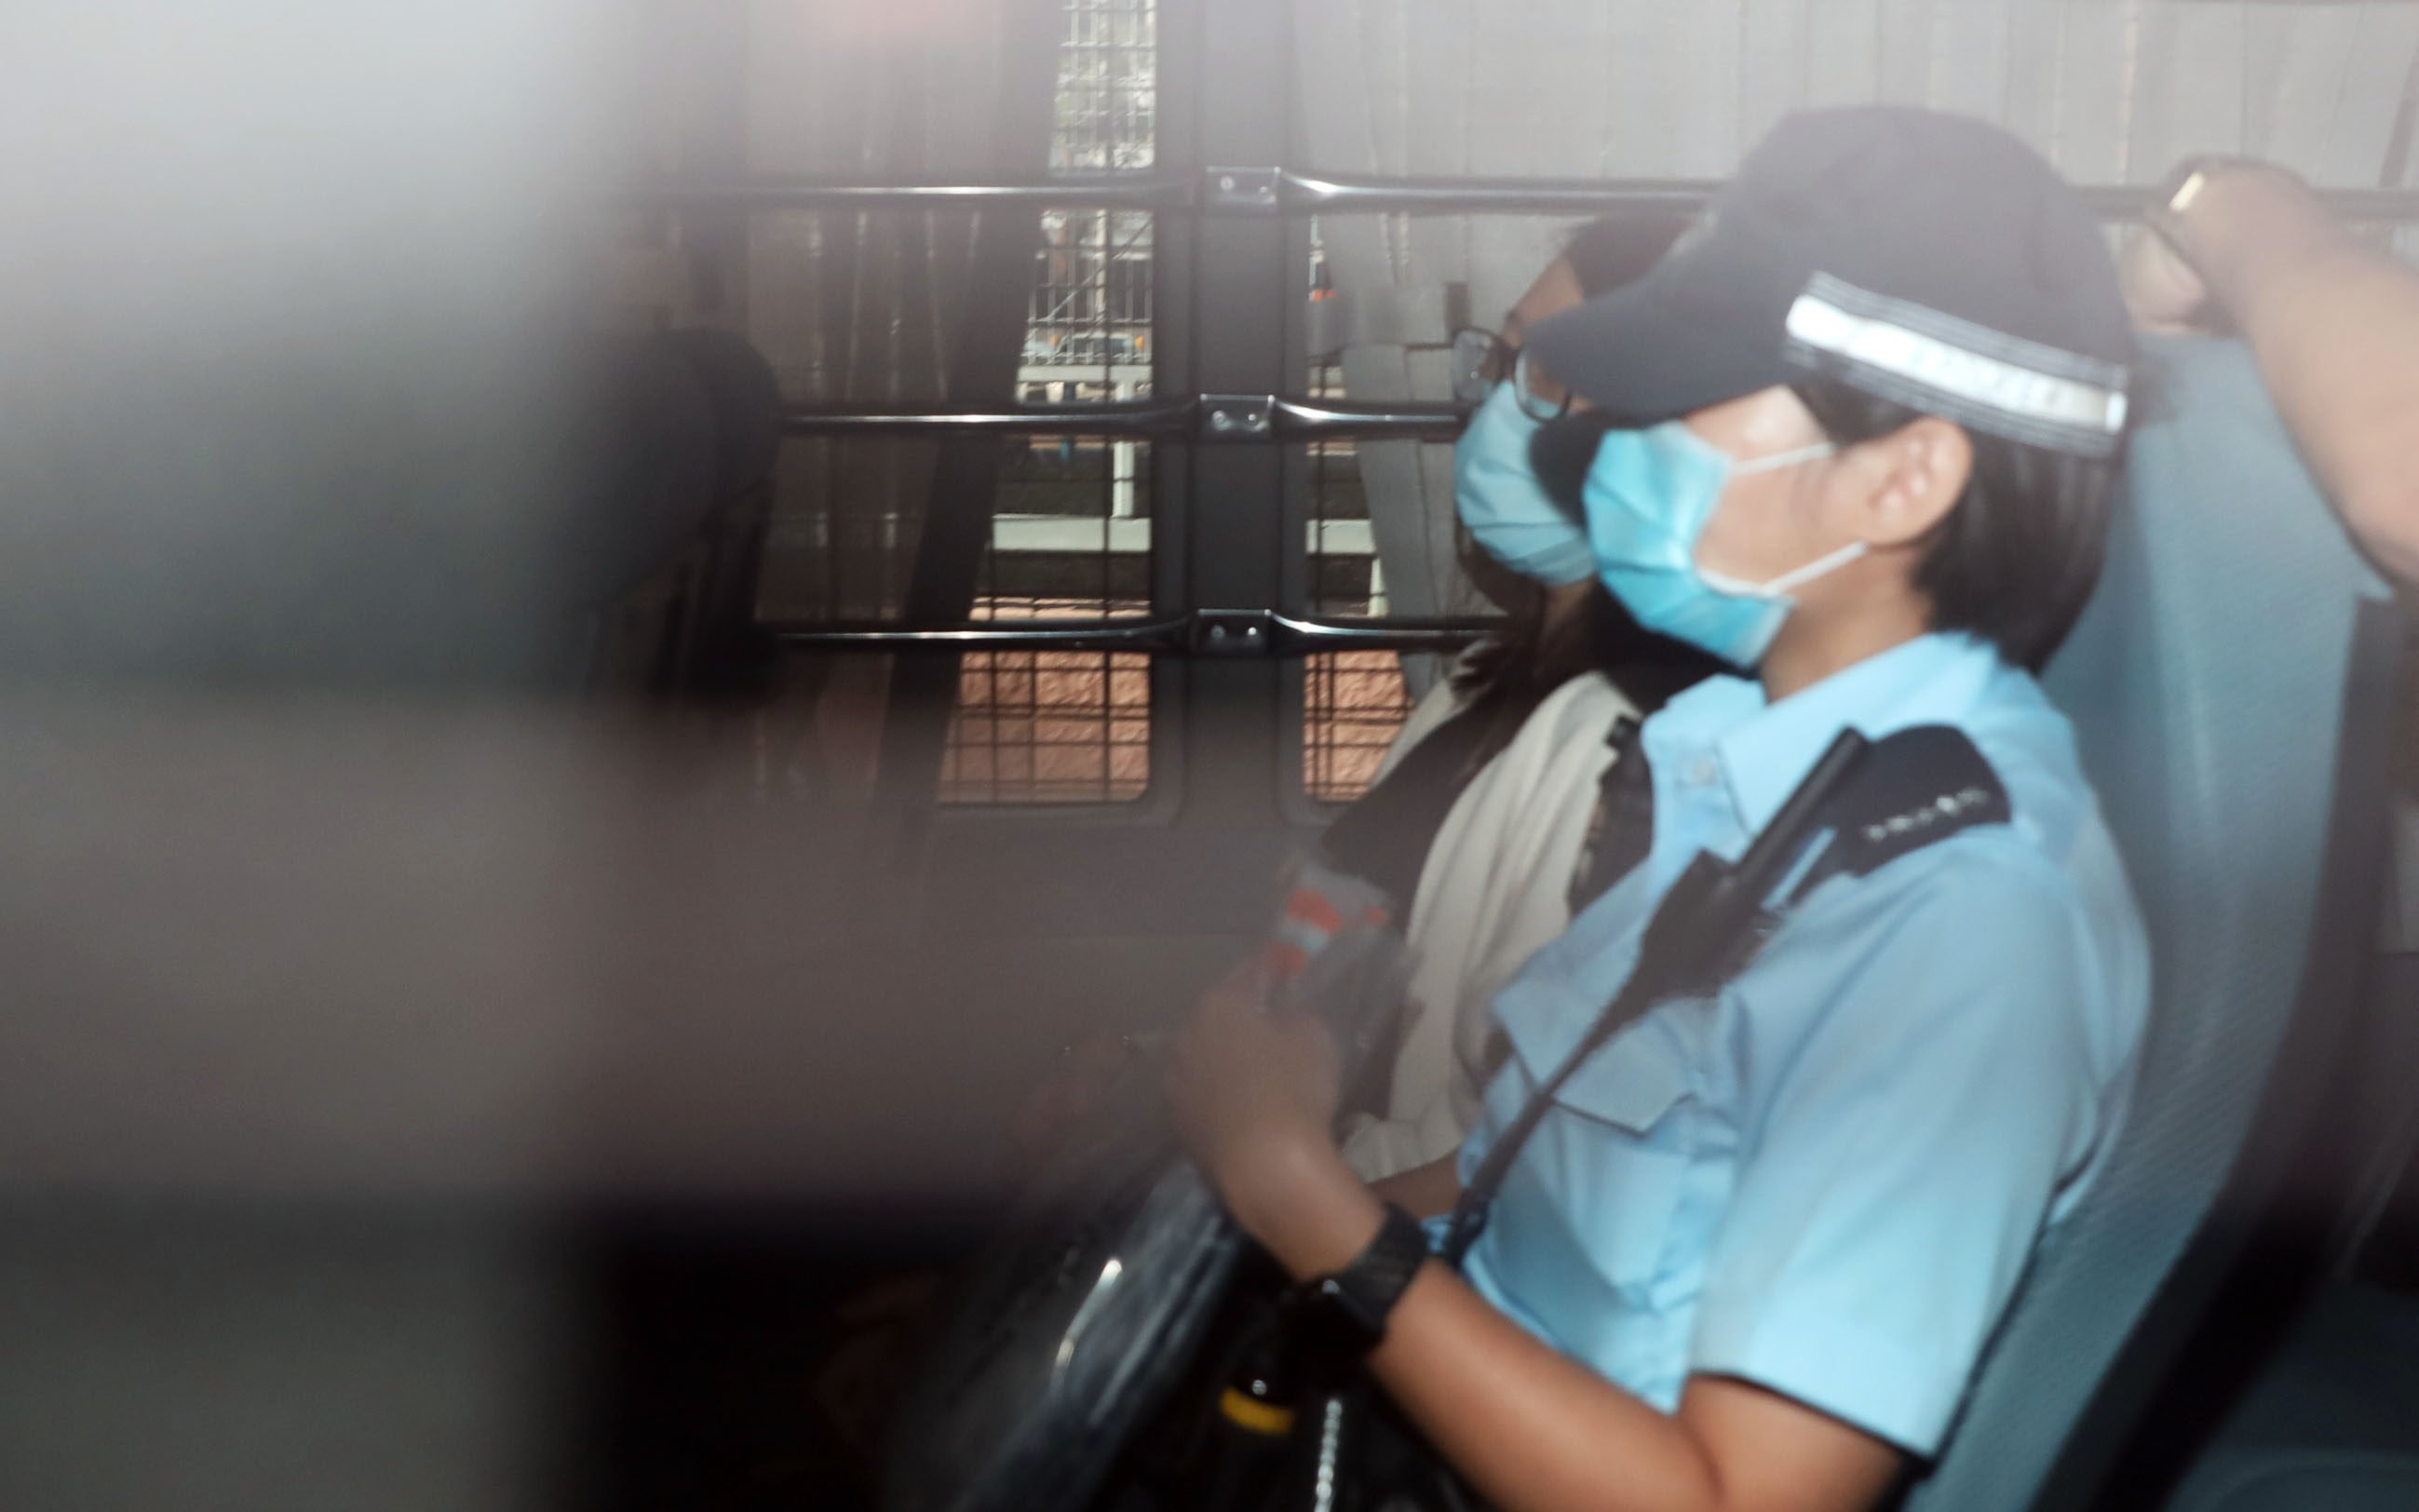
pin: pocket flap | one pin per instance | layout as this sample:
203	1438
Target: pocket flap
1630	1082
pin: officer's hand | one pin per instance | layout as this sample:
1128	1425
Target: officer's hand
2161	292
1250	1088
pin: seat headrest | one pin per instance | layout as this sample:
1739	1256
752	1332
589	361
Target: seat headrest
2207	682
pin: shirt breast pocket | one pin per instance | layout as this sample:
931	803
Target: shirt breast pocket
1601	1180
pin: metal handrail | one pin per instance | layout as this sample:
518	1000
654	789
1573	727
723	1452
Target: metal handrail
1087	635
1137	417
1289	420
1292	191
1303	193
1297	635
1346	420
1203	632
785	192
1309	194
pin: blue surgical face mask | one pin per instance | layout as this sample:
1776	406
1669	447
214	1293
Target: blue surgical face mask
1498	495
1648	495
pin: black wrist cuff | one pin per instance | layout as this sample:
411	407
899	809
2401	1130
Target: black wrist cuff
1356	1301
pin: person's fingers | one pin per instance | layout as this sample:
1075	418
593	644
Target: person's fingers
2161	289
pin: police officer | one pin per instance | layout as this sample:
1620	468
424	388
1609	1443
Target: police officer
1867	427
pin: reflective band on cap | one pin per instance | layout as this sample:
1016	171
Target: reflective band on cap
1942	367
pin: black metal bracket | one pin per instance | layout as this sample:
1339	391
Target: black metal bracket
1236	417
1250	191
1232	632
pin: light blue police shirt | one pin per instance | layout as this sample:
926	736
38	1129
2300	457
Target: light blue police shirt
1827	1178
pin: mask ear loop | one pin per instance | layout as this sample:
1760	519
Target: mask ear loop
1782	459
1797	578
1829	562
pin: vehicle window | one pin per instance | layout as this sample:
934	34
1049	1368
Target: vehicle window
1353	701
830	298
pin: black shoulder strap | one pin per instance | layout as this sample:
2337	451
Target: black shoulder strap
1864	805
1910	790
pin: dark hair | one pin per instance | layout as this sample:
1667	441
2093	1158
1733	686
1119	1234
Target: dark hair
1561	454
2014	560
1616	249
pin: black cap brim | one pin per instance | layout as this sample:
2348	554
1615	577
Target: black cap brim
1701	328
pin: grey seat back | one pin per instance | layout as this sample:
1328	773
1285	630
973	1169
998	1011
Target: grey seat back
2208	683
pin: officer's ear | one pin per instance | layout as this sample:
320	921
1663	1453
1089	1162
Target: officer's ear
1907	481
